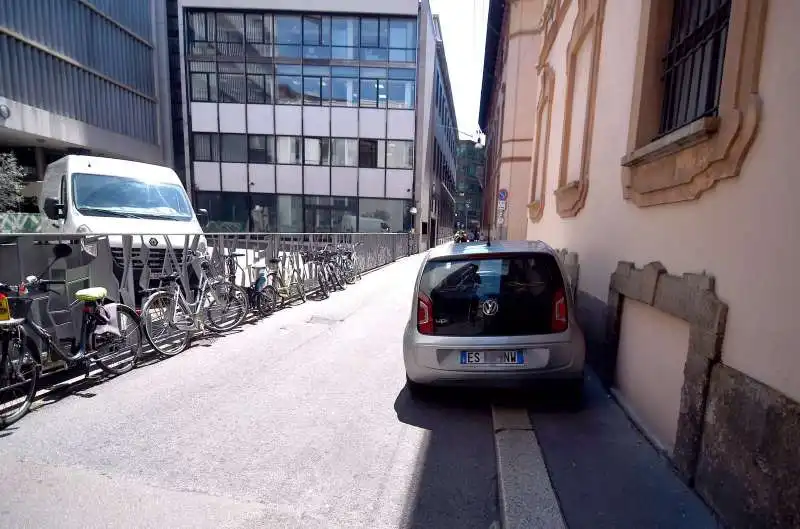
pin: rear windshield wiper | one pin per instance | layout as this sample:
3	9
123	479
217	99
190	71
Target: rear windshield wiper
111	212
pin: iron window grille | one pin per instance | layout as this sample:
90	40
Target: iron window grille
693	62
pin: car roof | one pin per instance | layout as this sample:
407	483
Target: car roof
452	249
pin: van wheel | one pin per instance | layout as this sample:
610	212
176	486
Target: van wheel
572	392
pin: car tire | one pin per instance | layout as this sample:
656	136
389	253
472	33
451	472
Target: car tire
573	394
416	390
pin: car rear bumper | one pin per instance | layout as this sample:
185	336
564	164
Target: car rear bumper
437	365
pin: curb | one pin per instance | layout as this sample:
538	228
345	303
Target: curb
527	498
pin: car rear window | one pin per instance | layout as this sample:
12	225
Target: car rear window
493	295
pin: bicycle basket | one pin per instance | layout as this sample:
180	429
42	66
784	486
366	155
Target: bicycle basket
20	307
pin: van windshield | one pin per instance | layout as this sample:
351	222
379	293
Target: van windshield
99	195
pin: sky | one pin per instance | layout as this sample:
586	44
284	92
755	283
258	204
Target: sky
464	32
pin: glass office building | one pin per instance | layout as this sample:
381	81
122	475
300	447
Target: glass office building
301	121
80	76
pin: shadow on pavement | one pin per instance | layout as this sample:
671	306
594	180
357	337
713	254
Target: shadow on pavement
606	475
456	478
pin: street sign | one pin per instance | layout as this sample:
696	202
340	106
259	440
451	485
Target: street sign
502	195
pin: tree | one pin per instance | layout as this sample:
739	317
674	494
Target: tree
11	176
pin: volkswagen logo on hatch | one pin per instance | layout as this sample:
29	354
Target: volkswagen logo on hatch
153	241
490	307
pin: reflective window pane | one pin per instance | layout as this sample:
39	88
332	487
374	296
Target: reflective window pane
254	28
316	52
369	93
402	94
402	55
312	94
312	30
383	215
206	147
374	54
261	149
369	32
342	53
344	152
227	212
383	40
199	87
289	89
344	31
317	151
289	149
230	27
399	154
288	29
317	214
197	28
263	213
287	51
371	153
290	214
233	148
232	88
344	92
402	33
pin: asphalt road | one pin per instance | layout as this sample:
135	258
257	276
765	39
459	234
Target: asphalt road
299	421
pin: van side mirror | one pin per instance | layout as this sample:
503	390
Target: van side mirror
54	209
202	217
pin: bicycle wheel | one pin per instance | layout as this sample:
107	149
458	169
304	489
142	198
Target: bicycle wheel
299	285
158	321
322	280
119	354
228	308
349	271
19	374
266	300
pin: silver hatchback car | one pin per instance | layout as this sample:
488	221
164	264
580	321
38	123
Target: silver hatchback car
497	315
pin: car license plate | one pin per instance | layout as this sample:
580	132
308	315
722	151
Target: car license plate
492	357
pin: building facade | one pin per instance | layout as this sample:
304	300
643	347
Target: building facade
507	103
301	118
83	76
665	157
469	185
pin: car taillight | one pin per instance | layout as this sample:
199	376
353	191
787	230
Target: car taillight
424	314
559	323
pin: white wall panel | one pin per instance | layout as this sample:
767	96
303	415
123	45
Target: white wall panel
289	179
204	117
288	120
262	178
399	183
344	122
234	177
232	118
372	123
260	119
401	125
371	182
344	181
316	121
206	176
317	180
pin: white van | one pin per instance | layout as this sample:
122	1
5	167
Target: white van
89	194
107	196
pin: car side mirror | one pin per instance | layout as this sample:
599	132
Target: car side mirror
202	217
54	209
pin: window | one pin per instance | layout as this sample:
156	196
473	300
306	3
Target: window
263	213
261	148
344	152
400	154
226	211
312	91
288	29
258	35
344	31
693	62
206	147
259	83
344	86
233	148
317	151
371	153
290	214
403	34
232	83
289	149
370	28
230	34
383	215
401	88
289	85
203	80
316	30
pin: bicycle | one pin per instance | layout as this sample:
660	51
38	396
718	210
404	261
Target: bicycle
168	304
347	262
261	296
275	278
99	338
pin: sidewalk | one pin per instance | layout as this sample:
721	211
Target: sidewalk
602	473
